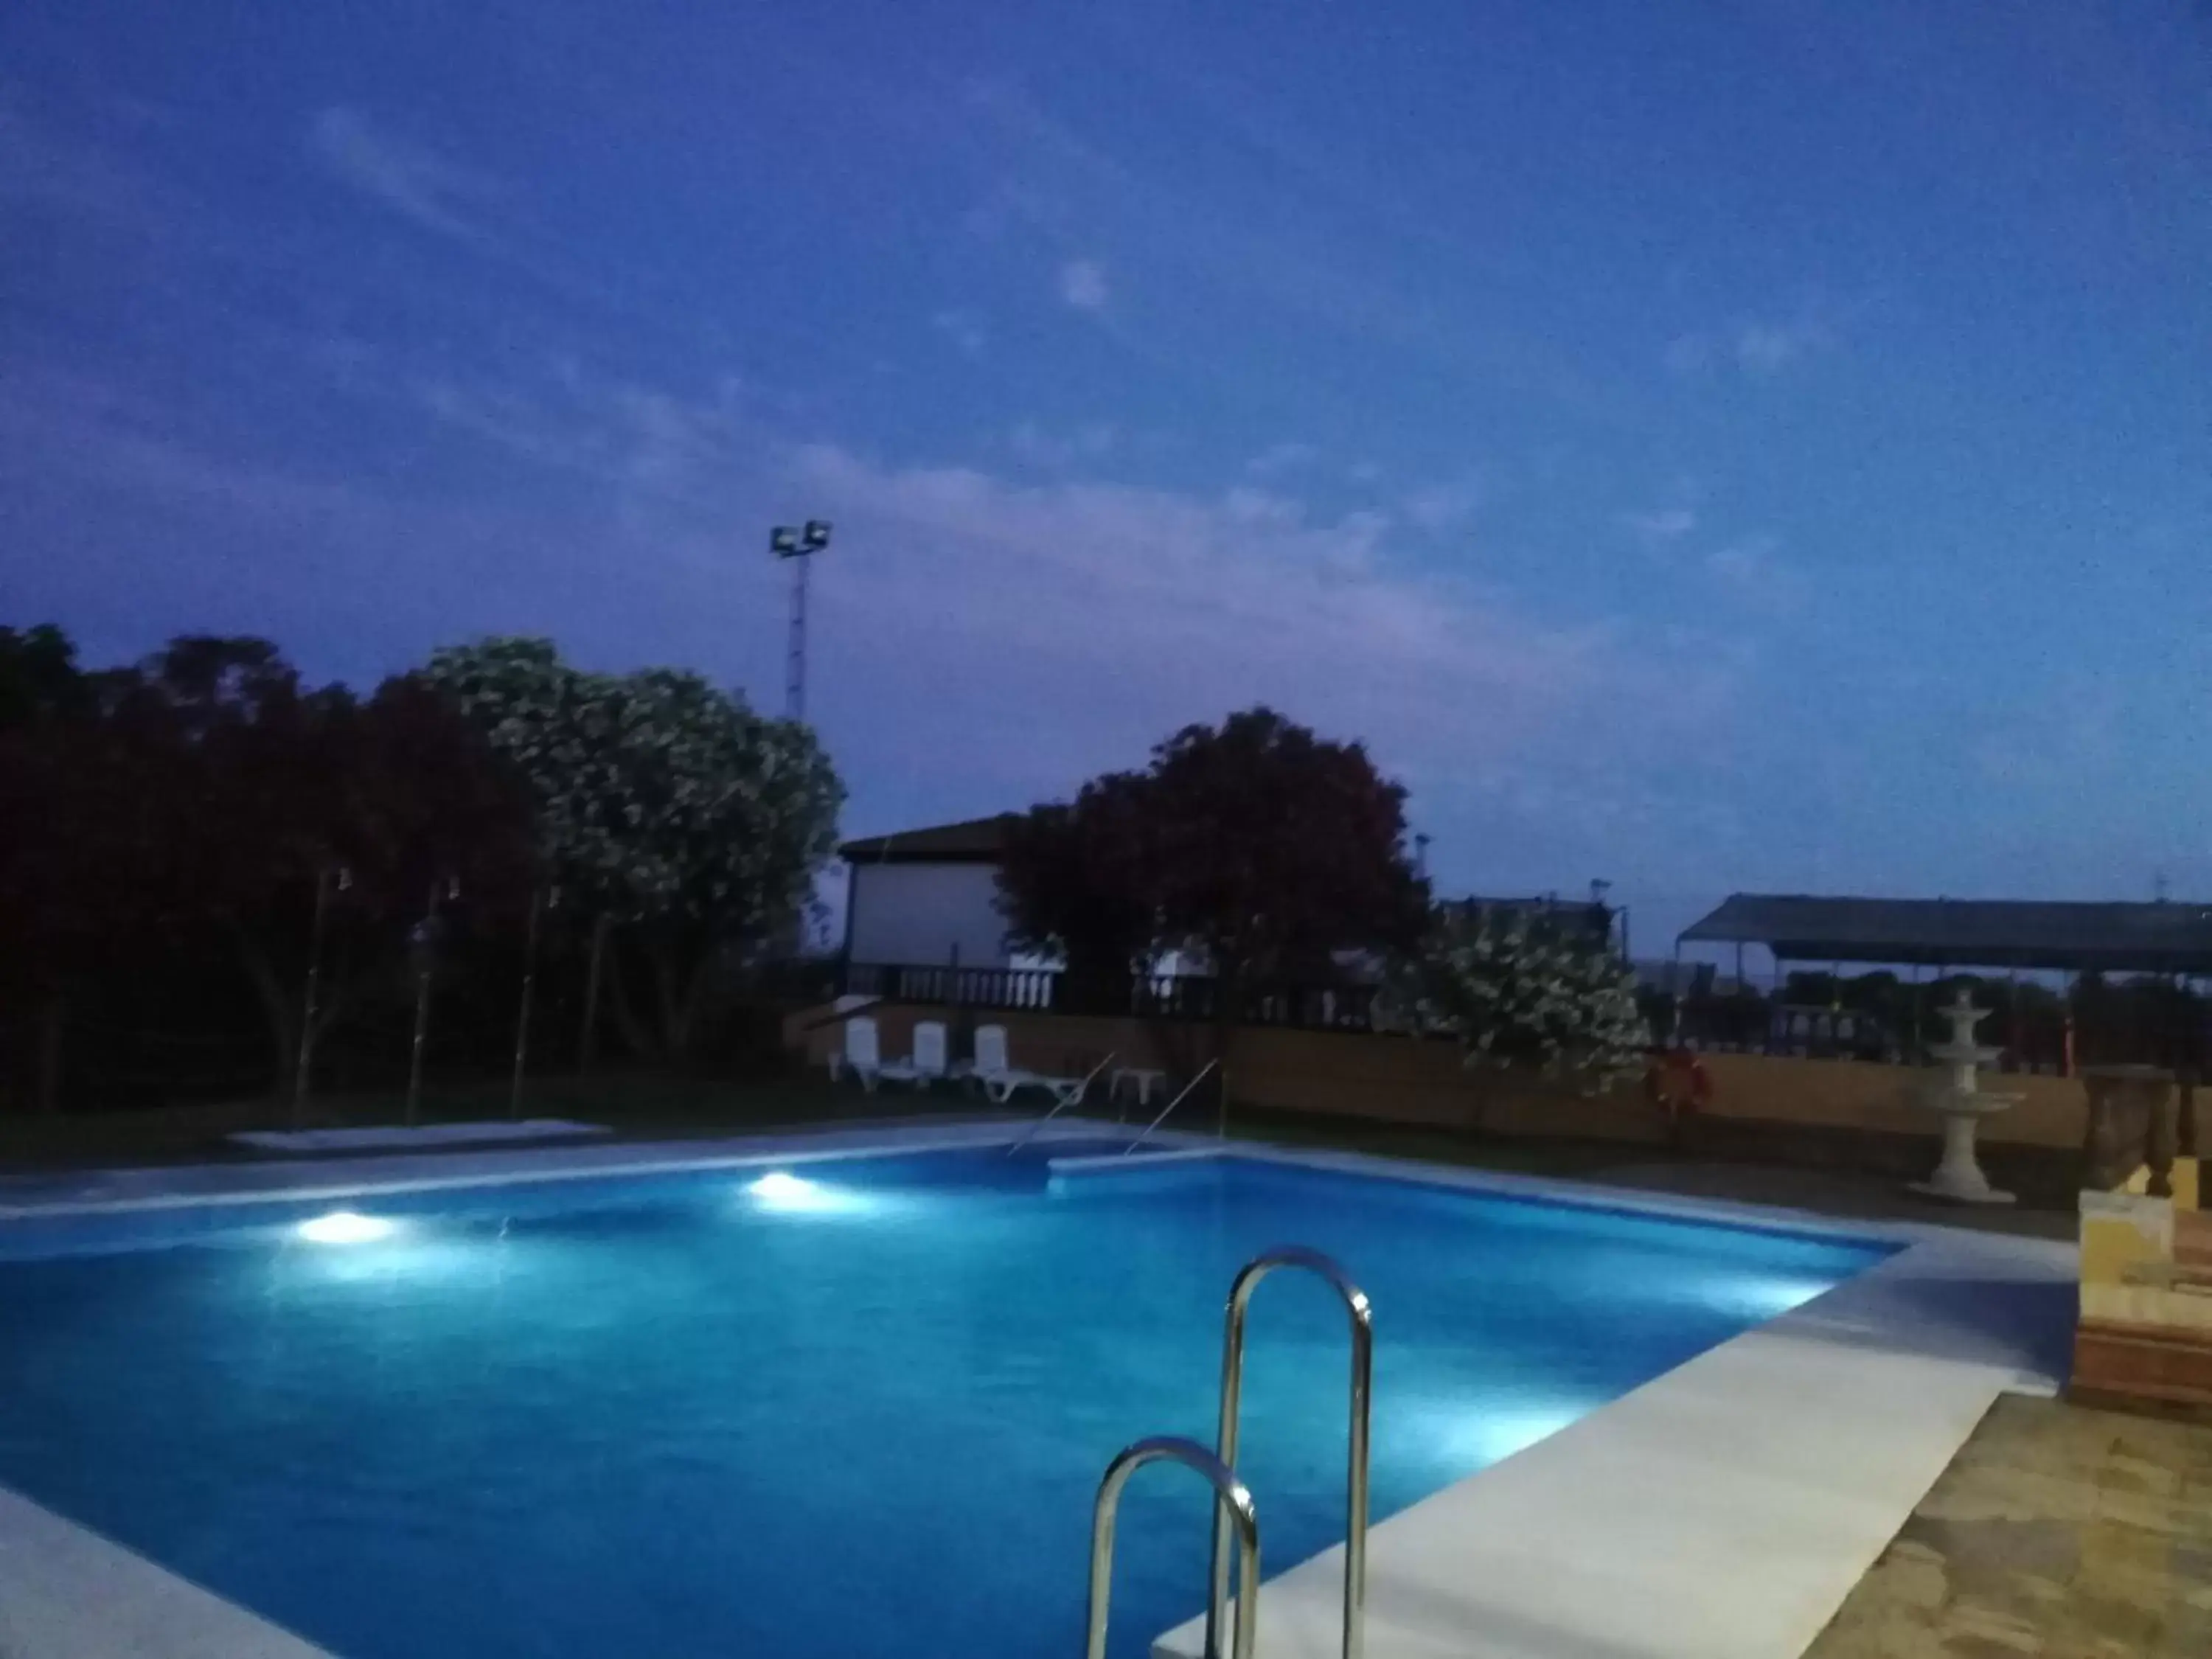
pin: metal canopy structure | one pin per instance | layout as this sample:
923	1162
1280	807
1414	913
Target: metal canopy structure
2160	938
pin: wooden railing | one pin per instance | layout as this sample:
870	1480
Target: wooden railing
978	988
1194	997
2037	1038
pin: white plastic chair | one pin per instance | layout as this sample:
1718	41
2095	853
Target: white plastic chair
991	1051
926	1064
863	1053
1067	1091
929	1049
990	1070
999	1078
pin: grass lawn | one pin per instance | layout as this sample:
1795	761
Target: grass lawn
642	1105
652	1105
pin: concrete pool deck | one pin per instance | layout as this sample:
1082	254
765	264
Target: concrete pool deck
1724	1509
2058	1532
1723	1512
68	1593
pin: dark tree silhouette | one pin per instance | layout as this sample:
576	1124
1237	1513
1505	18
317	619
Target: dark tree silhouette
1067	883
39	676
205	792
1257	845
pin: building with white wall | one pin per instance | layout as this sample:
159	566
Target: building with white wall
919	897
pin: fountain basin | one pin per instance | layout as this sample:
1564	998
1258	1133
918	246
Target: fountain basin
1962	1103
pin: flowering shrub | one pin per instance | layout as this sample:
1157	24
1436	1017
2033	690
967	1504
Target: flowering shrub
1524	991
691	824
658	794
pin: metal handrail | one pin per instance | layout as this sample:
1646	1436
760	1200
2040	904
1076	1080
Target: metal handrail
1230	1494
1171	1105
1232	1389
1074	1097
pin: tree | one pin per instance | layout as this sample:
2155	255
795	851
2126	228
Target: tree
1519	992
1257	846
694	824
205	792
39	677
1066	886
45	932
412	800
1271	849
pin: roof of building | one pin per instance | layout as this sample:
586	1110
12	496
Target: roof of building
975	841
2160	937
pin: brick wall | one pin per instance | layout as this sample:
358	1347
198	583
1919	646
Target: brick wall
1401	1080
1861	1095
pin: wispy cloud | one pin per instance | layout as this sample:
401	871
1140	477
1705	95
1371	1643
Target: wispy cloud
404	176
1186	603
40	167
516	424
1082	284
2072	733
1673	517
1031	443
964	328
1072	620
1766	348
1757	347
1281	458
120	437
250	542
1662	524
1750	570
1442	507
1268	247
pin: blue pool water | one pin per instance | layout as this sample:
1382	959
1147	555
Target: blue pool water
672	1416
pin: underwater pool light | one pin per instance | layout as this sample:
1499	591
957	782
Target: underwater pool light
779	1187
344	1227
780	1191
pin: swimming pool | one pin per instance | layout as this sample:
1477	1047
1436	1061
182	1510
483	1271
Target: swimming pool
856	1407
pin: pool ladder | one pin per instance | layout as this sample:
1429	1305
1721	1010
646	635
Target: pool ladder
1233	1510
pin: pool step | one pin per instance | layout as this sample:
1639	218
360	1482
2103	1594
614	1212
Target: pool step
1117	1172
389	1137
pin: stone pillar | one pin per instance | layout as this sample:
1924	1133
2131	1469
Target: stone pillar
2130	1128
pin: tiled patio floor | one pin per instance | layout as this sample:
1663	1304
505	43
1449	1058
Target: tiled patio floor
2057	1532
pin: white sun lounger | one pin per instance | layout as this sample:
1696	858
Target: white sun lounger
863	1055
925	1065
999	1078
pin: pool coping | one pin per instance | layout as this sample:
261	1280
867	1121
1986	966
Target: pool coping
1608	1539
1722	1510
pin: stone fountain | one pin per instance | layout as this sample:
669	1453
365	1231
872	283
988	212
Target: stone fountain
1964	1103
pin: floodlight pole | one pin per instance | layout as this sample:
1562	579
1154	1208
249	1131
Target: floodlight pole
796	543
795	667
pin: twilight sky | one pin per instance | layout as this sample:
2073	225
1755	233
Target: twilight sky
1723	444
